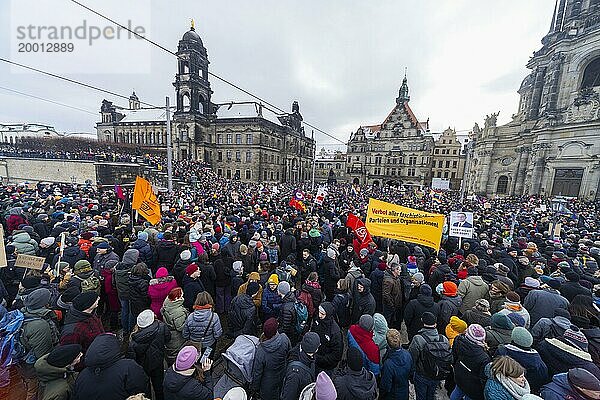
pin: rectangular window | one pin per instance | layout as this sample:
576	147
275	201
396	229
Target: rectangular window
220	156
228	174
447	163
238	155
446	174
219	172
248	157
248	174
229	138
454	151
238	138
249	138
229	156
440	163
412	160
454	164
272	176
265	176
411	172
453	175
219	139
238	174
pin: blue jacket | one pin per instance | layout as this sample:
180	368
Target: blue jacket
560	389
367	364
495	391
397	367
271	302
536	370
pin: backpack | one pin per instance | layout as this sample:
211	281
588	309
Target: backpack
273	256
437	358
305	298
12	348
301	316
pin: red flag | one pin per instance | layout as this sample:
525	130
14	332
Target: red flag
119	192
363	237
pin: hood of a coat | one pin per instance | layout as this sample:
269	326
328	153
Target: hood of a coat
130	257
74	316
21	237
274	344
476	280
363	384
46	372
426	301
146	335
366	283
104	351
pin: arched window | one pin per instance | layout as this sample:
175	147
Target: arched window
502	185
185	102
591	75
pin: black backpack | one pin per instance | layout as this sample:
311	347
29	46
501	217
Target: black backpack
437	358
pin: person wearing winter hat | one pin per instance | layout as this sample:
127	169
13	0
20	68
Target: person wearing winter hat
415	309
449	305
271	301
150	334
287	311
322	389
360	336
497	295
566	352
549	328
478	314
66	298
301	367
182	380
572	287
455	327
470	359
192	285
542	303
236	393
425	386
577	383
355	381
499	331
513	305
396	368
56	373
243	313
270	360
520	350
257	297
82	325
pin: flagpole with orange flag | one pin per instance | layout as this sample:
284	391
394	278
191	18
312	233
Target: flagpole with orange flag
145	202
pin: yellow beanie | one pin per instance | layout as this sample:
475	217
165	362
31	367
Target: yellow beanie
273	279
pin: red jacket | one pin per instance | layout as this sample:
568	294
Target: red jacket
81	328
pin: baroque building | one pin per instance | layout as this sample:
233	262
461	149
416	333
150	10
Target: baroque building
552	144
448	160
330	166
239	140
397	152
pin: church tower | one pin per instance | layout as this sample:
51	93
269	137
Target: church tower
193	108
403	96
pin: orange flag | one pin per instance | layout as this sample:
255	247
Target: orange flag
145	201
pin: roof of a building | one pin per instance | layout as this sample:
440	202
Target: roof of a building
246	110
143	115
22	127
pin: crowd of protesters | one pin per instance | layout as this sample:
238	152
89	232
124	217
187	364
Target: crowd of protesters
235	294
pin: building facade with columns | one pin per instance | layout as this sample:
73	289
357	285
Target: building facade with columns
239	140
397	152
552	145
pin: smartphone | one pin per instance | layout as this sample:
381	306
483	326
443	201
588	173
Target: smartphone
205	355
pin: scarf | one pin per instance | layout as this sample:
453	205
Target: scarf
512	387
204	307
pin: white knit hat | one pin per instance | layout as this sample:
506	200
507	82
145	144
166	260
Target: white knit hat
145	319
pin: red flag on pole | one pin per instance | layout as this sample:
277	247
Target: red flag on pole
362	236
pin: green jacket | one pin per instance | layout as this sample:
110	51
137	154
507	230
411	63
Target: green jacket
174	315
55	383
40	333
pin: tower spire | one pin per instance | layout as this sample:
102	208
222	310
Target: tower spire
192	25
403	96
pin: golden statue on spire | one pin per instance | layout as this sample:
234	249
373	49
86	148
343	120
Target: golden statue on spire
193	27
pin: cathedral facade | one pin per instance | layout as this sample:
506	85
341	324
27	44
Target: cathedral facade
239	140
552	145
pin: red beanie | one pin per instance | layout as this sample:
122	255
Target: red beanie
270	327
190	269
449	288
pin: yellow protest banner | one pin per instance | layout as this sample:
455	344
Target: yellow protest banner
403	223
145	201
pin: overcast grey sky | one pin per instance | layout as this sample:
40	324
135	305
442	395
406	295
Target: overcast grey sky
343	60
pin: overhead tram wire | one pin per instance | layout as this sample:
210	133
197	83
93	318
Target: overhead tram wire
47	100
260	99
64	78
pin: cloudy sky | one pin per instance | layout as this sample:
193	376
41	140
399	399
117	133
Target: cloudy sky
343	60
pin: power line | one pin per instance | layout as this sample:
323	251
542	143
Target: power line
87	85
210	73
46	100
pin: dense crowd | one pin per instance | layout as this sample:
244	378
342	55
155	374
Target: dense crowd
235	294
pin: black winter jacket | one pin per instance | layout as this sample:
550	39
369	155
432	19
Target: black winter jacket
355	385
107	376
181	387
287	316
413	311
243	318
269	364
191	288
138	294
363	303
332	344
147	346
470	360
